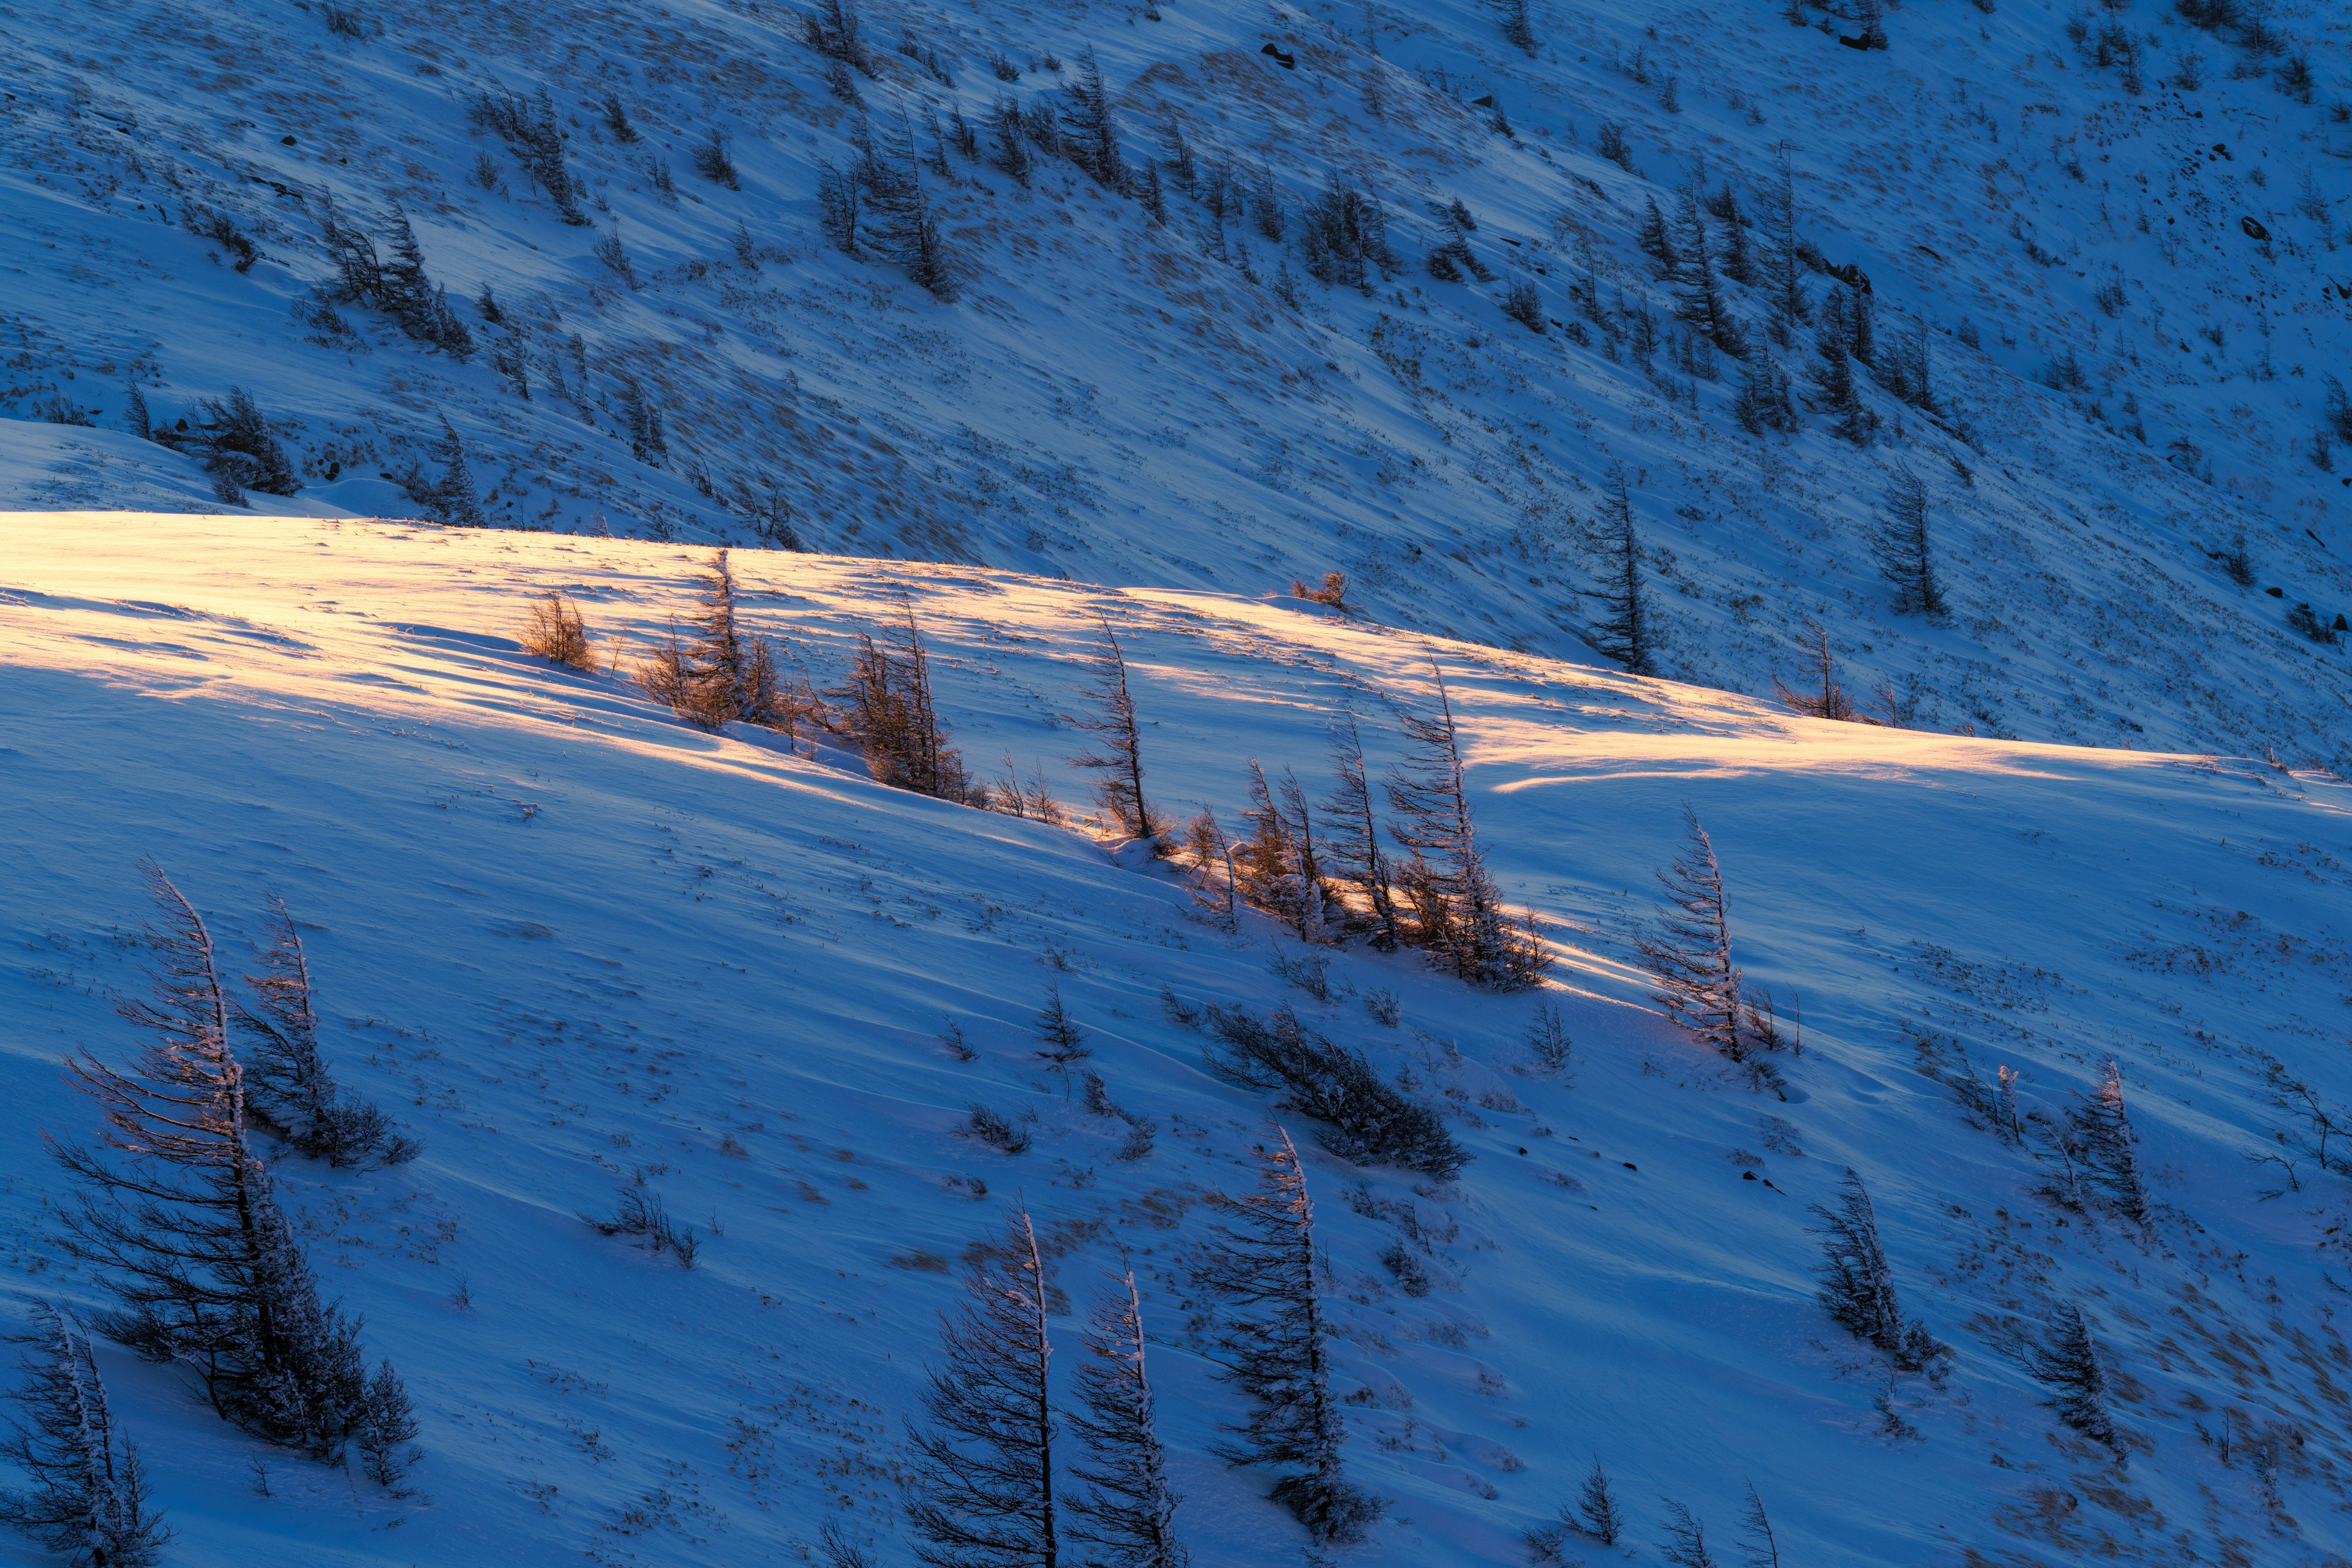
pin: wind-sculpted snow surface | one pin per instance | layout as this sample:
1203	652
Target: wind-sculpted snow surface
588	956
567	264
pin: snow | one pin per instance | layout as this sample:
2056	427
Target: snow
1118	402
565	938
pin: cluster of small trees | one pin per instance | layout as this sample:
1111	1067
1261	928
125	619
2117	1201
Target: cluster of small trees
983	1491
1320	868
232	439
398	287
722	676
531	132
177	1215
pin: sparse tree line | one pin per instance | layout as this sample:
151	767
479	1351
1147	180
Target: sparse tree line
175	1214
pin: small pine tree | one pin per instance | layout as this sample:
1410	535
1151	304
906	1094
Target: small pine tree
1901	545
1686	1543
288	1085
1090	130
1762	1542
1013	155
1128	1515
1656	242
1352	841
1689	953
981	1491
1857	1287
134	415
1597	1512
387	1430
451	497
2103	1134
1272	1346
1064	1042
87	1496
1119	757
724	675
241	450
1627	632
1763	403
1702	303
2068	1361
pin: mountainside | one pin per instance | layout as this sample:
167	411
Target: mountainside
2103	254
580	949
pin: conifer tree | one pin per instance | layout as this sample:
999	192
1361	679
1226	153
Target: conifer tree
1352	839
1762	1542
1119	756
723	676
1625	632
892	715
1686	1545
1901	545
1857	1287
1656	242
1739	265
1012	155
1457	911
1272	1345
185	1228
1702	303
2103	1129
288	1085
240	449
2068	1361
1783	273
981	1494
1126	1515
1763	403
1064	1041
1217	874
1090	130
1689	953
1598	1514
387	1429
451	497
85	1497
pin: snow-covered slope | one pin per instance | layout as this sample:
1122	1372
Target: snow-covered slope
568	939
1181	405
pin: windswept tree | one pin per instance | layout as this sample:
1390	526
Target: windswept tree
1271	1344
1702	305
2104	1145
85	1495
1280	870
981	1494
184	1226
1126	1511
1351	841
288	1085
1857	1287
1118	756
1689	952
1625	631
1089	129
2067	1362
1457	911
1901	545
1782	269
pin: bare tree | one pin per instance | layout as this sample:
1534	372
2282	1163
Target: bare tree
723	676
1128	1513
1827	699
87	1496
890	713
1597	1514
2068	1361
1272	1345
981	1492
1686	1543
1119	757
